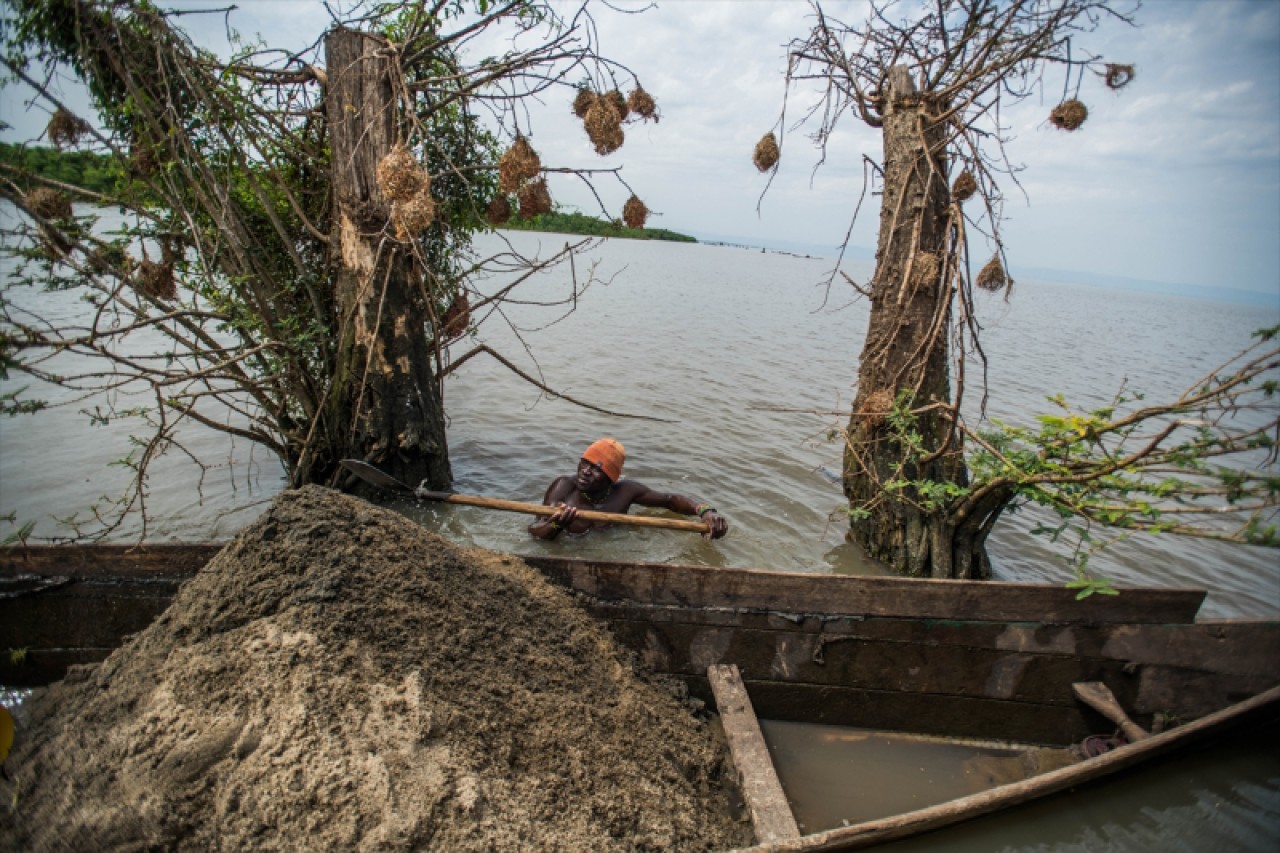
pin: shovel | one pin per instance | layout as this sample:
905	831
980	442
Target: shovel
374	477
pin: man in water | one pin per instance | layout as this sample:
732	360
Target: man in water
599	486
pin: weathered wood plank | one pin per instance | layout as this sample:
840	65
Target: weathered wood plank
1099	697
702	586
83	614
771	814
39	667
107	561
932	668
1243	647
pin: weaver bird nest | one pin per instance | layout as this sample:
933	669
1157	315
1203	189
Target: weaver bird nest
618	102
456	319
534	199
964	187
413	215
48	203
875	409
634	213
401	177
155	280
65	128
498	211
766	154
642	104
1118	76
992	276
1069	115
603	124
583	101
518	165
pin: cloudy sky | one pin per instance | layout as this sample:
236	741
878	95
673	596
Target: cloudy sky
1176	179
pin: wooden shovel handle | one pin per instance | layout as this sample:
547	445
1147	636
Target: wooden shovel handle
382	480
543	509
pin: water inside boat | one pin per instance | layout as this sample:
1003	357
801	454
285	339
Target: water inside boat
836	776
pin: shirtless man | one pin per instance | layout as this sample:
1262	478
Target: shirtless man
599	486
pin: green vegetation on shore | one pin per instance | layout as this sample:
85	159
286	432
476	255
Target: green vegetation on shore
579	223
99	173
95	172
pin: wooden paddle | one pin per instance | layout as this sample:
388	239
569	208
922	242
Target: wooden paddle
374	477
1098	696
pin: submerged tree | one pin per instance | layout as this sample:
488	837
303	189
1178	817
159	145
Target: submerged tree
934	78
301	224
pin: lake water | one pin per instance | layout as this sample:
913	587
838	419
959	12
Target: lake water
716	341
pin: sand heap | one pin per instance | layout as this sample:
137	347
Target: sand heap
339	678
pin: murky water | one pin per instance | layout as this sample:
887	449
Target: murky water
717	341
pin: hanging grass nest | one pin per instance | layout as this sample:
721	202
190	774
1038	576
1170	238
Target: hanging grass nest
604	127
766	154
534	199
519	164
634	213
1118	76
108	258
618	102
874	409
401	177
498	211
49	203
642	104
456	319
155	280
413	215
993	277
1069	115
964	187
583	101
65	128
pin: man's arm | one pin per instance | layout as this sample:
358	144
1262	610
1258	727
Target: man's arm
550	526
717	525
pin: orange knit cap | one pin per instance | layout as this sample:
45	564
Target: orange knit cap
609	455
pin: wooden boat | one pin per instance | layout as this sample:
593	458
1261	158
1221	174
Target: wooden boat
990	661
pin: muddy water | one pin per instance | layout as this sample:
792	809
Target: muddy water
835	776
716	341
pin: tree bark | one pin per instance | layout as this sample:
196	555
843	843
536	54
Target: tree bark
906	349
386	396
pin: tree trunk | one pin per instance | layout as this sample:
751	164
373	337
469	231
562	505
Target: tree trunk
386	398
906	350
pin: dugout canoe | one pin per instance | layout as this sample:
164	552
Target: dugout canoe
988	661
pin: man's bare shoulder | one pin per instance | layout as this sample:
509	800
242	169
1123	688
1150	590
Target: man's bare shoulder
560	488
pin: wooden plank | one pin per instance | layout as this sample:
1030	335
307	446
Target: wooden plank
770	812
83	614
1243	647
107	561
1264	708
44	666
703	586
932	667
1099	697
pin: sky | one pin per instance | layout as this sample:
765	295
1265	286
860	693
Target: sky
1174	180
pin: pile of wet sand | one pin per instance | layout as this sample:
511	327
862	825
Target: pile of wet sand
339	678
